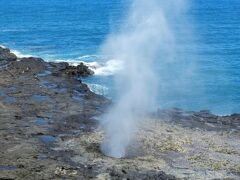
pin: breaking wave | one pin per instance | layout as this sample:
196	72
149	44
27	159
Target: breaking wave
98	89
2	46
17	53
99	66
20	54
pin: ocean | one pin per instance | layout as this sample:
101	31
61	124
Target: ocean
74	30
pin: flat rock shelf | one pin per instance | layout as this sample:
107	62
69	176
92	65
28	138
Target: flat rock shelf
49	130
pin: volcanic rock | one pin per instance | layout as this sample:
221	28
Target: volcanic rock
6	55
31	65
80	70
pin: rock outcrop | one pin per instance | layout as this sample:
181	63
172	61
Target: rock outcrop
80	70
6	55
202	119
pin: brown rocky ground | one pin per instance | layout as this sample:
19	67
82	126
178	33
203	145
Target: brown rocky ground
49	130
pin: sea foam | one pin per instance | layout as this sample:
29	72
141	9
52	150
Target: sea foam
100	67
20	54
17	53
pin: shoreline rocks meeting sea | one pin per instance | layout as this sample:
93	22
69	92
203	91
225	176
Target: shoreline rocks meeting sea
49	129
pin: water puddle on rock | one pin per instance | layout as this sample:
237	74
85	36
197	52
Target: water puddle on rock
40	98
47	139
61	90
2	93
4	66
83	126
12	88
9	100
44	73
42	156
7	168
41	121
48	85
52	86
77	96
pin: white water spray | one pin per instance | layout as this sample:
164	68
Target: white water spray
146	33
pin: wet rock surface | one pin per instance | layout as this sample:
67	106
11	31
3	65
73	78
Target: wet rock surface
49	130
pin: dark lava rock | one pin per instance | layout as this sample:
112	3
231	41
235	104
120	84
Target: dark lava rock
6	55
202	119
232	120
81	121
80	70
58	66
31	65
35	115
141	175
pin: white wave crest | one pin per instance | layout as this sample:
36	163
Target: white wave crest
90	58
13	30
106	69
69	61
20	55
2	46
100	68
17	53
98	89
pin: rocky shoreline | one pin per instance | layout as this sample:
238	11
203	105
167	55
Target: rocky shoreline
49	130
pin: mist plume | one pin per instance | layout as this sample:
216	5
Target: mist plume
147	35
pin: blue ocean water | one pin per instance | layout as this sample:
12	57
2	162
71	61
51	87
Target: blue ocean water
73	30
